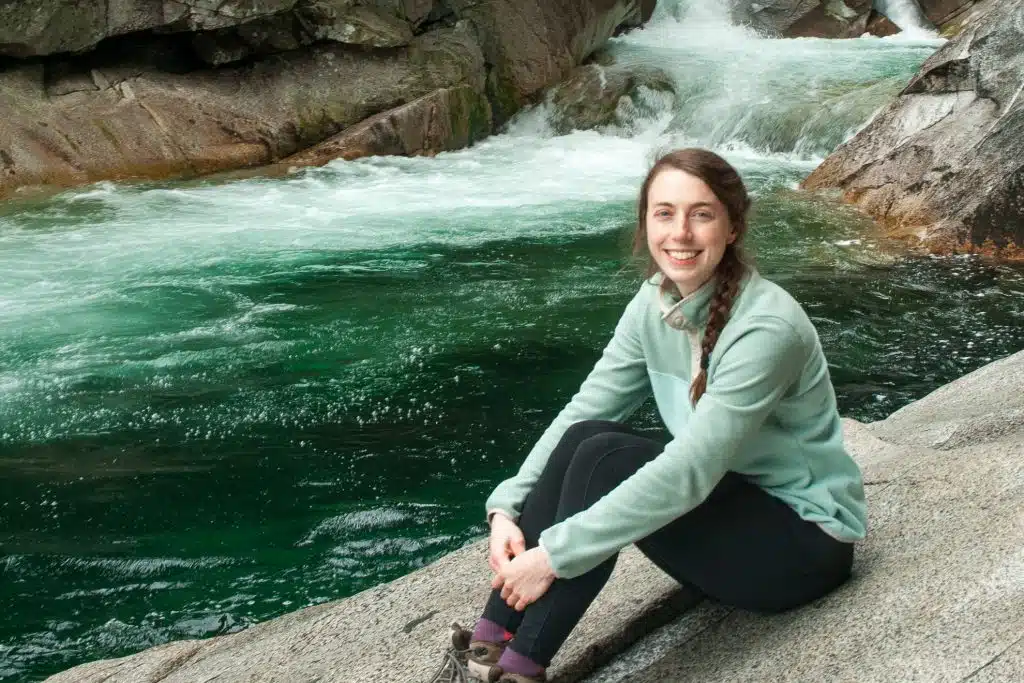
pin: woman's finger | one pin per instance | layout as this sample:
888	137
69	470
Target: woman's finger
512	600
521	605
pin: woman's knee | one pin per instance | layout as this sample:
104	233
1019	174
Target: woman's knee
579	432
601	462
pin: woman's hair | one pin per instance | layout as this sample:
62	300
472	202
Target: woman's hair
728	187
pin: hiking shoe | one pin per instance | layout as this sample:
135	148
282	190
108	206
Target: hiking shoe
498	676
478	656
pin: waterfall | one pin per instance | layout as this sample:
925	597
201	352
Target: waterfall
907	15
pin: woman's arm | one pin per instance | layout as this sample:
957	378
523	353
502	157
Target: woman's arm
616	387
752	375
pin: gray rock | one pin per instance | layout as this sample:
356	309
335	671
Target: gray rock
395	632
941	166
444	120
804	18
530	45
596	95
312	21
214	120
938	587
31	28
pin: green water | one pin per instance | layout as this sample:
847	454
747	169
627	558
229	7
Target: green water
224	401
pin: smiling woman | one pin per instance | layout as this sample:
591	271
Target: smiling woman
754	501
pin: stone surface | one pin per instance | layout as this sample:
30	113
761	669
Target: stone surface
795	18
40	27
147	105
595	95
530	45
153	124
943	165
833	18
444	120
938	587
342	642
937	592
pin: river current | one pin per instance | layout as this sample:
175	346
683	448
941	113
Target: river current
223	400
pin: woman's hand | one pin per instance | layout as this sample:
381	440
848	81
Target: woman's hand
525	579
506	542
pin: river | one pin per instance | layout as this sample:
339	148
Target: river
223	400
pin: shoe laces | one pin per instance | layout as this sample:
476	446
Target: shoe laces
452	669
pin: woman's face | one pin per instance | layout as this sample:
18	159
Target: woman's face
687	229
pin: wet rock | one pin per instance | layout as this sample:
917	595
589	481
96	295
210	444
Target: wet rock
156	109
596	95
833	18
157	124
530	45
942	165
444	120
796	18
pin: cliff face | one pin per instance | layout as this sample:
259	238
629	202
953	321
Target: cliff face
943	165
109	89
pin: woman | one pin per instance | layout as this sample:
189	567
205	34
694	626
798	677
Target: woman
754	501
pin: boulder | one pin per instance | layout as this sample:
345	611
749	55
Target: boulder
311	21
119	123
31	28
836	18
444	120
530	45
596	95
943	165
801	18
938	587
937	591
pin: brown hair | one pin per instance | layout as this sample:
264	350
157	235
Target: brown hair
728	187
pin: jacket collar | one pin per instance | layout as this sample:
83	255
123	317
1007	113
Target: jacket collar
692	310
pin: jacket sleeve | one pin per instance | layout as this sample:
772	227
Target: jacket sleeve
752	374
613	390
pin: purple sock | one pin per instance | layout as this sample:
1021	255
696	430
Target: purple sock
512	662
490	632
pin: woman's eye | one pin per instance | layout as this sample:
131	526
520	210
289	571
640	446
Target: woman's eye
703	215
661	214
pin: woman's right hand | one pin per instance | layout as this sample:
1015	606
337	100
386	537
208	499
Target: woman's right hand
506	541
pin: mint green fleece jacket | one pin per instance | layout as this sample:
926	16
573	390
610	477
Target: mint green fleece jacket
769	413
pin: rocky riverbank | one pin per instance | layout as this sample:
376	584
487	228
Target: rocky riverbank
942	165
133	89
937	592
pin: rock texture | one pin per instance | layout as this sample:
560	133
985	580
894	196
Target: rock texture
119	123
142	101
596	95
533	44
834	18
943	165
937	592
938	588
444	120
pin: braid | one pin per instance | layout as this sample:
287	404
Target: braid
730	270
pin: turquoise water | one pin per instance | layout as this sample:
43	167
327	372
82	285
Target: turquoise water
223	401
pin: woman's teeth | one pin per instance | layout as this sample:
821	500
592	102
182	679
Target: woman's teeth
683	255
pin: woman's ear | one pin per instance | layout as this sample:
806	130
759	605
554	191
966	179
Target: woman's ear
732	237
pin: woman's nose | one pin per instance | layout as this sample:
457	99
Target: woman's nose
681	230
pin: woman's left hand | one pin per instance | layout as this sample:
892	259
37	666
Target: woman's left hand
525	579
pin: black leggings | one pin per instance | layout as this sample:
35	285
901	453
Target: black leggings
740	547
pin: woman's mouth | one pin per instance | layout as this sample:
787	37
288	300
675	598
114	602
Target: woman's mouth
682	257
